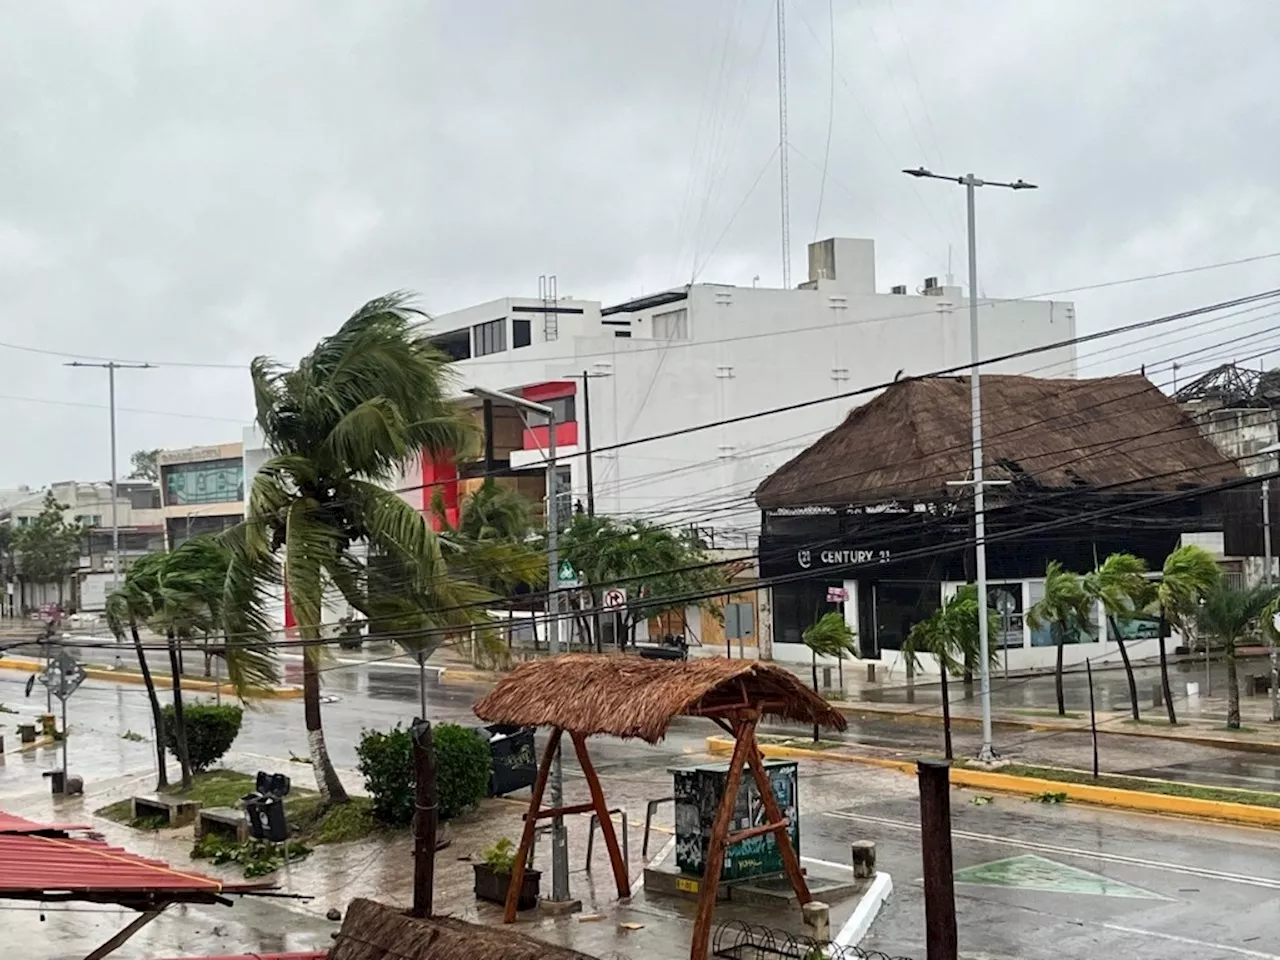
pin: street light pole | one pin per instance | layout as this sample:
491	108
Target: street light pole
559	841
1266	553
970	184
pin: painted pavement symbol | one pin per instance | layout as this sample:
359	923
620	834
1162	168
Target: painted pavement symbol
1031	872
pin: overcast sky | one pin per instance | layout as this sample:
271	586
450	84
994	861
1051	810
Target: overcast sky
201	182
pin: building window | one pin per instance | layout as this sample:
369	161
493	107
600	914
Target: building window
1045	636
622	334
565	409
89	521
672	325
490	337
210	481
521	333
455	345
23	521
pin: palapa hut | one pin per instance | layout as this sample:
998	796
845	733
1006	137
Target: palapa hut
880	507
374	931
626	696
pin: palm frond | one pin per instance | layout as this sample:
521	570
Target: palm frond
830	636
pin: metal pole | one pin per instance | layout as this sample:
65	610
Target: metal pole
935	846
424	818
979	500
1266	553
559	843
1093	718
64	745
115	514
586	418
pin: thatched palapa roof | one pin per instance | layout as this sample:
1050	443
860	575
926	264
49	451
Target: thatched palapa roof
373	931
628	696
1119	432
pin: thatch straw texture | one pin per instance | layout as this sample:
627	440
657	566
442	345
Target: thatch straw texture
372	931
628	696
1108	432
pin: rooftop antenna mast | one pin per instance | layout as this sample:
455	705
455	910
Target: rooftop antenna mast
782	144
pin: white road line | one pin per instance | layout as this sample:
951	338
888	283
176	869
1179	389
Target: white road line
396	664
1239	951
1203	872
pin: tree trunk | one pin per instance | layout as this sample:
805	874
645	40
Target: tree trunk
813	654
1233	685
1164	675
422	684
968	682
946	716
330	787
157	715
1057	673
179	716
1128	669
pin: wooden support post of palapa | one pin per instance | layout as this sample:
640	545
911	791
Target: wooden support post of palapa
602	816
744	733
425	811
790	861
530	825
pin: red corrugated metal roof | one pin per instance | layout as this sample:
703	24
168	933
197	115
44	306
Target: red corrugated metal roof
12	824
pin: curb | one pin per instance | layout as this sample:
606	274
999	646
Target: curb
457	675
1223	743
1113	797
162	681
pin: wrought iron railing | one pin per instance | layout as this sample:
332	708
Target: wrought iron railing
736	940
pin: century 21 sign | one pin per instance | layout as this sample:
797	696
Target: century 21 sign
831	558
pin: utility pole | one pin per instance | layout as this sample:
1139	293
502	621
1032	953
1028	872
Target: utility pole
1266	552
559	842
424	817
111	366
970	184
783	177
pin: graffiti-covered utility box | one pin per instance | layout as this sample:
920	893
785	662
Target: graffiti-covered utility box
697	793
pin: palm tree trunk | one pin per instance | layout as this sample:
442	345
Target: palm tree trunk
813	654
330	787
179	716
1128	669
946	716
422	684
1164	675
1057	673
157	715
1233	685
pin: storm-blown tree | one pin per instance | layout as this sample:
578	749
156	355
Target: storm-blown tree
829	636
143	465
662	570
1064	609
1188	575
1120	583
47	549
366	400
1232	615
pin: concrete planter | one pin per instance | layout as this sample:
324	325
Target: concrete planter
493	886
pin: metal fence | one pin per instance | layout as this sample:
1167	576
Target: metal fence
736	940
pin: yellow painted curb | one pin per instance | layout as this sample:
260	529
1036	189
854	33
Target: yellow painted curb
1159	803
162	681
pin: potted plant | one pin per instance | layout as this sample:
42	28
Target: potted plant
493	876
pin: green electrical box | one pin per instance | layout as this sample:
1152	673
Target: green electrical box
697	796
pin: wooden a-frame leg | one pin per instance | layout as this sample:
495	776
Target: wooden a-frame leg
790	861
744	733
602	815
530	825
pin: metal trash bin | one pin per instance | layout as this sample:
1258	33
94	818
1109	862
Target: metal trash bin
514	756
266	818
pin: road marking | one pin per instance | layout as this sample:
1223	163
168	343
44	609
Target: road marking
394	664
1204	944
1266	882
868	908
1030	871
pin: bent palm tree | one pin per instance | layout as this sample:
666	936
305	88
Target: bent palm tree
131	604
1189	573
365	401
1064	608
1120	584
1232	615
830	636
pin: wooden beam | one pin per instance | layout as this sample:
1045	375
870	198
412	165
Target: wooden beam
756	831
790	861
530	824
119	939
616	859
562	811
715	850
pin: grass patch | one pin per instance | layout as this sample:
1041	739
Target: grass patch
1167	788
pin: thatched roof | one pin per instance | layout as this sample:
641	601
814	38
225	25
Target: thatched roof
373	931
1107	432
628	696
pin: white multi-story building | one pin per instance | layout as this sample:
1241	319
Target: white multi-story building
662	370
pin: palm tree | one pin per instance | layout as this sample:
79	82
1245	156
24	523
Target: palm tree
1189	573
1120	584
366	400
830	636
951	635
1064	608
1233	615
495	512
131	604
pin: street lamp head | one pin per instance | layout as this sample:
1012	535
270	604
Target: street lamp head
919	172
1021	184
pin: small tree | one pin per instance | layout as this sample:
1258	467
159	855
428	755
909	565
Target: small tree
830	636
463	765
1120	584
1233	615
144	467
210	729
48	548
1189	573
1064	609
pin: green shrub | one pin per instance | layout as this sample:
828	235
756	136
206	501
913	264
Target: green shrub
463	765
386	761
211	730
501	857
